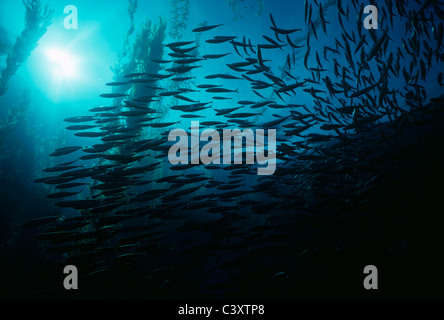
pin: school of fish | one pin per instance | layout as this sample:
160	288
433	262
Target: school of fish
163	230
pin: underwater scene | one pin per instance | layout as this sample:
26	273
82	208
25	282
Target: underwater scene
229	149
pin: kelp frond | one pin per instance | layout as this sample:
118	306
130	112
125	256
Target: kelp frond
179	13
37	20
132	8
241	7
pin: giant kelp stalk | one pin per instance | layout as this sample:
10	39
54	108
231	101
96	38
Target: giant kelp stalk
14	120
132	8
37	20
242	7
179	12
137	56
5	44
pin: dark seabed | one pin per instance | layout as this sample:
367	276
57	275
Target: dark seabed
334	164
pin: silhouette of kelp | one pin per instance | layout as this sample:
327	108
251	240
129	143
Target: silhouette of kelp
136	56
37	20
243	7
178	22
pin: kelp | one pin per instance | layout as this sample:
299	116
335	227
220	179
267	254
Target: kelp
178	22
136	56
5	44
241	7
37	20
132	8
17	111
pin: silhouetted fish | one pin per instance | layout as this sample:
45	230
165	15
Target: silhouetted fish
206	28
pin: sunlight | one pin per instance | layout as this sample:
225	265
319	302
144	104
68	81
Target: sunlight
64	65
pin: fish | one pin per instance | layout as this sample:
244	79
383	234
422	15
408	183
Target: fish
340	7
270	46
181	97
80	119
206	28
215	56
241	64
134	74
208	86
377	46
118	137
313	29
360	43
163	125
65	151
116	84
292	44
271	41
182	55
220	40
169	94
113	95
221	90
284	31
181	52
141	81
323	21
211	123
160	61
221	112
225	37
222	76
260	60
102	109
340	128
81	127
241	115
177	44
187	61
364	91
90	134
291	87
221	98
307	55
274	123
